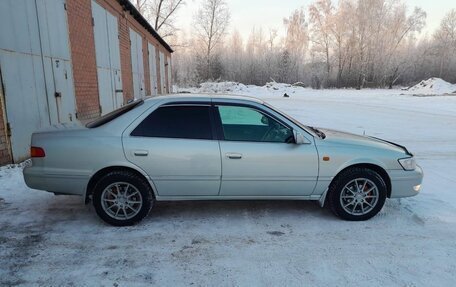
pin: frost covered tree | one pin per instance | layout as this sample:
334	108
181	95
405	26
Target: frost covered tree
343	43
321	14
341	31
234	58
211	22
284	67
445	40
296	44
365	42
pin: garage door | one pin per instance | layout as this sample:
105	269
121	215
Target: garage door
137	64
35	67
108	59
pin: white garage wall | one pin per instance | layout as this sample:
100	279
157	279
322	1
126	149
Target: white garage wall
137	64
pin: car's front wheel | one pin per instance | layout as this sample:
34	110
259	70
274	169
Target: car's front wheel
357	194
122	198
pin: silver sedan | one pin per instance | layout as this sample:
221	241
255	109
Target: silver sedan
203	147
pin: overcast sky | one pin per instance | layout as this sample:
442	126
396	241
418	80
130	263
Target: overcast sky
246	14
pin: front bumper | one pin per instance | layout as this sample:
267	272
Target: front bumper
405	183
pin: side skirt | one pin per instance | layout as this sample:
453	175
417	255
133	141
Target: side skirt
216	197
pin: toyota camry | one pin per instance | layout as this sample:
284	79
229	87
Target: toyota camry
216	147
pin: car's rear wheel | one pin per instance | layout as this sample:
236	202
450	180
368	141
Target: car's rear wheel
122	198
357	194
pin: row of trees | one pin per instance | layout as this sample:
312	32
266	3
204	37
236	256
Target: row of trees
348	43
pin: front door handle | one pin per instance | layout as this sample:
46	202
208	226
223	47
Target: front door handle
233	155
140	152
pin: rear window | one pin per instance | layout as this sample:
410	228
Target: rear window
114	114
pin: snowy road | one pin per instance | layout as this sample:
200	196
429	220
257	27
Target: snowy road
55	240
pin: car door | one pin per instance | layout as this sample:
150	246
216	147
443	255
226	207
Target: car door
259	156
175	145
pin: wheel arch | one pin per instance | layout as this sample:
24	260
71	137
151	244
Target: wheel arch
378	169
100	173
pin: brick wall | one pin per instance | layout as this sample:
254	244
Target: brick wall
5	156
157	60
146	66
82	45
167	66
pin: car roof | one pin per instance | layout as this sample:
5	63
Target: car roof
202	96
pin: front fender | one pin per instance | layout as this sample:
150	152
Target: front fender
360	160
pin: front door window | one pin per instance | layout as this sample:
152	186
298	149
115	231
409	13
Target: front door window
241	123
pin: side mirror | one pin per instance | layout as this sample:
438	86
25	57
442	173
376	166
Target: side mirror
265	120
299	138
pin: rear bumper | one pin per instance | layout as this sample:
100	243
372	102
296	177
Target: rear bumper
37	178
405	183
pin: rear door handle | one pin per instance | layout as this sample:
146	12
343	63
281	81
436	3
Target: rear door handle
140	152
233	155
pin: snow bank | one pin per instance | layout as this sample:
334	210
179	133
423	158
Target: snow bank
432	87
270	89
429	87
222	87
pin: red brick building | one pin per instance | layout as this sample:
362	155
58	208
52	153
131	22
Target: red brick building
64	61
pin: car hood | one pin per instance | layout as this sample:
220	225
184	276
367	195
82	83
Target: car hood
340	137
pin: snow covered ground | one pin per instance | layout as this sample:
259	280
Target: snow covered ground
55	240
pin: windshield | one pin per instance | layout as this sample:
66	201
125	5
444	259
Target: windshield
114	114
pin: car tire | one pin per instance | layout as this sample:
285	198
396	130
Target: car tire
122	198
357	194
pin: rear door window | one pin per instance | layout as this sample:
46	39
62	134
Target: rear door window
187	122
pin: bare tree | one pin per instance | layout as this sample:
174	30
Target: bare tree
140	5
160	13
211	22
401	27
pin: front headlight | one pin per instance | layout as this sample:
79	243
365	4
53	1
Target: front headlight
408	163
